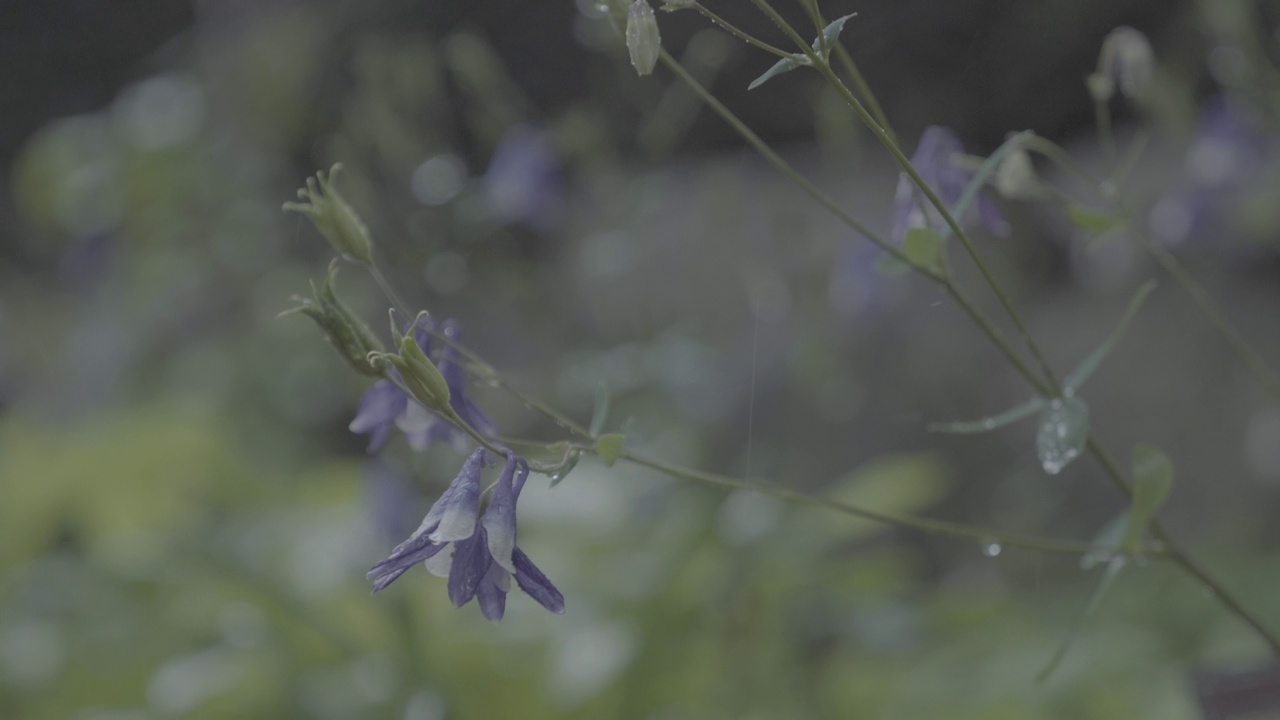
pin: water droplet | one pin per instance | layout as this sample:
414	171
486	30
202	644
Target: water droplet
991	548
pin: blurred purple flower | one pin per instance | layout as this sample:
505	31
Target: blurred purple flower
478	556
392	499
1226	155
384	405
523	181
939	158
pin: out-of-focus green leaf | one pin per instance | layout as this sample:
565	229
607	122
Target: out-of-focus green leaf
923	247
1152	481
600	410
609	448
1090	220
895	483
1108	576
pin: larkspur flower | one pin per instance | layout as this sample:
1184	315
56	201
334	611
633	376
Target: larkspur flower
478	554
941	162
1227	156
384	405
522	184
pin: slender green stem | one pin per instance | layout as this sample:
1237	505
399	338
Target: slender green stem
1047	385
864	90
389	290
824	67
928	525
1106	136
740	34
1258	367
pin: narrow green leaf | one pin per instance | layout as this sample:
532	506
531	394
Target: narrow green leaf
1108	576
1064	430
1090	220
1152	481
783	65
609	448
600	411
985	171
571	462
1091	363
923	247
830	33
890	266
970	427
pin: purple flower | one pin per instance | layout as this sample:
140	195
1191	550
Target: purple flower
1227	154
522	183
384	405
479	557
939	158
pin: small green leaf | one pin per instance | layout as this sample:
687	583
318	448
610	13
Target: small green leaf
970	427
830	33
609	448
1091	363
783	65
984	173
1064	430
1090	220
923	247
890	266
600	411
1152	481
1108	576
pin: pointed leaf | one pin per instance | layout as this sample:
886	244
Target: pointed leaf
600	412
1064	430
830	34
783	65
609	448
923	247
969	427
1108	576
1090	220
1091	363
984	173
1152	481
1106	544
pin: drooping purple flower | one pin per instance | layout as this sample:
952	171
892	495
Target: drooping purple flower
384	405
523	181
939	158
1227	154
479	557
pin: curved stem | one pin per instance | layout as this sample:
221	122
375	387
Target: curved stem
1258	367
824	67
740	34
928	525
1047	385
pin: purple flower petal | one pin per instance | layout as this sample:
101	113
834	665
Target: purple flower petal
535	584
499	519
389	570
492	593
471	562
454	514
379	407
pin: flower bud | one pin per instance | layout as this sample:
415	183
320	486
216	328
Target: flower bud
333	217
1126	61
420	376
643	41
347	333
1016	177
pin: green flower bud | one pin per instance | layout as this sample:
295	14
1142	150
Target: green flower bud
333	217
420	376
347	333
643	41
1126	61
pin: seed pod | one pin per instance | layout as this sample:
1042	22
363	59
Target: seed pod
643	41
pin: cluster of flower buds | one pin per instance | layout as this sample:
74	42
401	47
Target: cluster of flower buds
347	333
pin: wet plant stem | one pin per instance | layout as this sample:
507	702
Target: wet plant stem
1044	382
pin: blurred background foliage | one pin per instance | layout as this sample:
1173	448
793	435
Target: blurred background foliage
185	520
